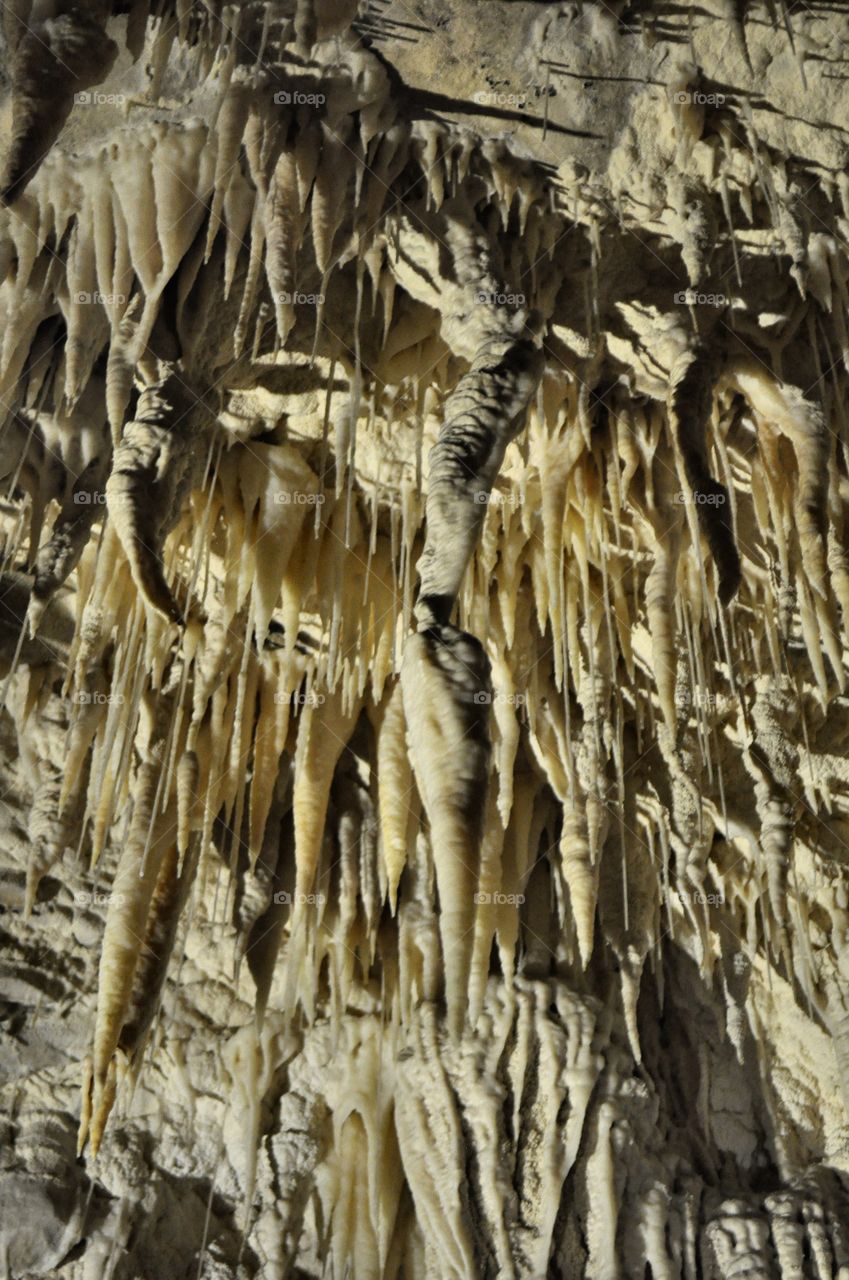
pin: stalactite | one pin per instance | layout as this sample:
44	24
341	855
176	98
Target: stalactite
133	890
481	417
65	54
150	478
445	679
689	409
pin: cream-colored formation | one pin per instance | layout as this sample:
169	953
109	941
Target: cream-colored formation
424	609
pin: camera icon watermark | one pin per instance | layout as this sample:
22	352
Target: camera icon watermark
692	298
484	698
712	701
492	98
697	897
485	299
294	98
687	97
93	698
295	498
301	899
94	98
298	299
97	498
683	498
85	899
499	899
99	299
495	498
300	699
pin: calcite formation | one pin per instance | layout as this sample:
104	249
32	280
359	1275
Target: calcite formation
424	615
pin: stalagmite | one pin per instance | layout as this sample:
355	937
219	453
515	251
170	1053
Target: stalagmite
429	1136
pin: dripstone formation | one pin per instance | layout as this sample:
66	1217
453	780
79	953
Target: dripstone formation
424	626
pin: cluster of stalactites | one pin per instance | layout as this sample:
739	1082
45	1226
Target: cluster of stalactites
277	730
395	771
